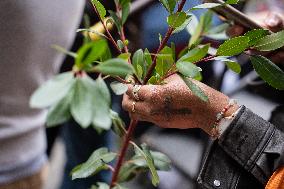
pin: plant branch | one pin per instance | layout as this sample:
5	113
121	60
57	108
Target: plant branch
121	32
162	45
107	31
122	152
133	123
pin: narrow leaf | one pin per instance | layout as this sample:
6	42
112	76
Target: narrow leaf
176	19
64	51
101	9
164	61
268	71
270	42
188	69
232	1
196	90
145	152
115	67
195	54
233	46
125	12
234	66
255	35
206	6
138	62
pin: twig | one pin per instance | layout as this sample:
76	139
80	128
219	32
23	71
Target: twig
123	150
133	123
162	45
107	31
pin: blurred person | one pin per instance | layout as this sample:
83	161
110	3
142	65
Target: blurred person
27	31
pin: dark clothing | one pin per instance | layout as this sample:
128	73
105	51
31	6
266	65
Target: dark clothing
246	155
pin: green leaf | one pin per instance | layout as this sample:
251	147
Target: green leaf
128	171
153	80
148	58
270	42
90	52
188	69
125	12
184	25
268	71
164	61
175	20
101	9
124	56
101	104
255	35
118	88
161	161
120	44
82	101
91	31
165	4
118	124
52	91
172	5
145	152
233	46
195	54
206	19
138	62
206	6
115	67
234	66
195	28
192	25
218	32
116	19
195	89
59	113
64	51
96	162
232	1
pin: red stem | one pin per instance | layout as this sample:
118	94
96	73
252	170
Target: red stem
133	123
123	150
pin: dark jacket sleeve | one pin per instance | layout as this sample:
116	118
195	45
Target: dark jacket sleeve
250	146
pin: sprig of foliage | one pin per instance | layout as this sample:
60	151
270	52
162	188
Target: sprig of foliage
87	100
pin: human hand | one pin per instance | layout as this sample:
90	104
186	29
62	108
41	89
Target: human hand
173	105
271	21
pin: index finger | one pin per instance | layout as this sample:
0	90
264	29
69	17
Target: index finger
144	93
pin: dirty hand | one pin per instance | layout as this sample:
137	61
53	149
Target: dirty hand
173	105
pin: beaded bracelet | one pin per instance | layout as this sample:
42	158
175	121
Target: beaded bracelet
219	117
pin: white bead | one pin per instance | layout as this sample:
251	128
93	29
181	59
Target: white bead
219	116
232	102
217	183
